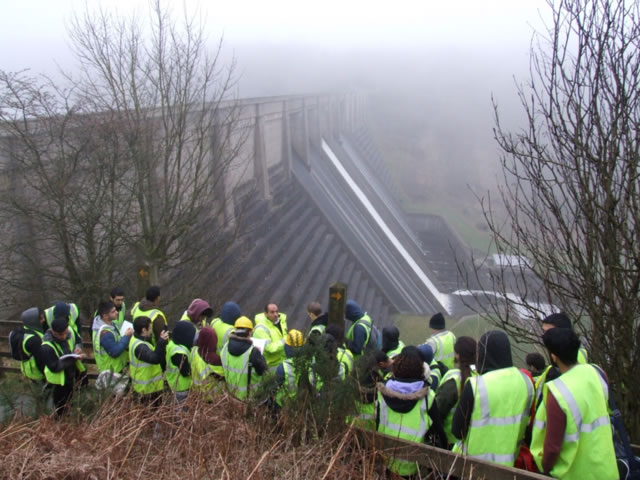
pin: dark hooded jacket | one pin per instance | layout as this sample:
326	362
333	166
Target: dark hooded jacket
401	396
390	338
147	355
197	308
238	344
322	319
353	312
493	353
183	334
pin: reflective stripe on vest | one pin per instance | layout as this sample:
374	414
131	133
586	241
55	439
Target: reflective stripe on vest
274	334
443	344
176	381
582	395
145	377
223	330
411	426
104	361
345	357
29	367
289	387
397	350
366	322
237	372
456	376
500	415
58	378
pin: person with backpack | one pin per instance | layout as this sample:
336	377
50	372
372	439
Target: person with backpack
572	437
359	336
25	342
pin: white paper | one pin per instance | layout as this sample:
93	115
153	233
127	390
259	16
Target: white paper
75	356
126	325
259	343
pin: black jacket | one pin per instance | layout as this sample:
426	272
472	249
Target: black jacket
238	345
51	358
494	353
147	355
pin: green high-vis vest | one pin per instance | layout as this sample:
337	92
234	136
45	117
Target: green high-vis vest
145	377
240	376
501	411
104	361
411	426
587	449
176	381
274	349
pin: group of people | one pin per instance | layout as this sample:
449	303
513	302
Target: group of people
451	392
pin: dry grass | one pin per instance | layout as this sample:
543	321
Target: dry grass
220	439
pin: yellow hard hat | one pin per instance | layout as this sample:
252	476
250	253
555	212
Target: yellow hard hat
243	322
294	338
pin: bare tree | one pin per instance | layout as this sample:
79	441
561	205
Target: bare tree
147	132
571	189
63	199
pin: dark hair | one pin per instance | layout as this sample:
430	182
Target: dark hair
266	307
315	308
139	323
535	360
116	292
563	343
408	364
558	320
337	332
465	347
105	307
153	292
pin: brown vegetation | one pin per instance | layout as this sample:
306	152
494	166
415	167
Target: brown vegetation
217	439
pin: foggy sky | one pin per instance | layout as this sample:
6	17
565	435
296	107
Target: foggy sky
444	60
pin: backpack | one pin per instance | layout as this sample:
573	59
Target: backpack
15	344
628	463
375	340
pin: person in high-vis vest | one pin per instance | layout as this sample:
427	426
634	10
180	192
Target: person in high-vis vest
406	409
199	312
110	349
319	321
116	295
223	325
243	364
71	312
495	406
434	370
207	374
178	371
145	362
572	437
343	354
359	333
32	365
271	325
391	343
60	372
450	387
149	307
365	405
287	374
441	341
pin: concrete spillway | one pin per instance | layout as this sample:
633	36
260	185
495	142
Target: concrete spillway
370	228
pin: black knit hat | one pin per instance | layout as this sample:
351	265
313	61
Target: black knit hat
59	324
437	322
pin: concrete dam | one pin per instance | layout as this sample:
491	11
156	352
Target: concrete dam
322	210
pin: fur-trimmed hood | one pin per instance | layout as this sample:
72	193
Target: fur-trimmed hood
402	402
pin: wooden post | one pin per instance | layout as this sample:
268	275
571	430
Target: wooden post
337	301
143	280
